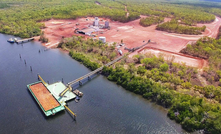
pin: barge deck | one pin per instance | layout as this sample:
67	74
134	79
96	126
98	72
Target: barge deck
45	98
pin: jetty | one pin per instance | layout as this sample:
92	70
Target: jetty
24	40
52	97
87	76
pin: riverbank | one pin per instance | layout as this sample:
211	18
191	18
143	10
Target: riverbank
189	108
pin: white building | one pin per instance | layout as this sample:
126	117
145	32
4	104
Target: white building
103	39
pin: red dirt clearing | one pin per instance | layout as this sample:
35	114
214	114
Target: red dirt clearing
177	57
132	33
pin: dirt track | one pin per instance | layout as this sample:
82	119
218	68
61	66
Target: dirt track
131	33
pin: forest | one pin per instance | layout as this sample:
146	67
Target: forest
173	26
210	49
96	51
148	21
219	33
23	17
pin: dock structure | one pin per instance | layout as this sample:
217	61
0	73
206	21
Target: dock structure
24	40
47	96
52	97
88	76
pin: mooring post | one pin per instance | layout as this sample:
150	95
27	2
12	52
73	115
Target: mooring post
48	82
39	51
89	78
31	68
62	80
20	56
80	83
25	62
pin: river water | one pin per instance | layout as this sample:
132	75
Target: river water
104	108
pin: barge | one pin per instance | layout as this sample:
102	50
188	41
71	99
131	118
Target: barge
78	93
45	99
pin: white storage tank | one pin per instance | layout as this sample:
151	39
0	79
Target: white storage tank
120	52
103	39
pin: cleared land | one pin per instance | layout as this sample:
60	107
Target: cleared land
176	57
132	34
45	98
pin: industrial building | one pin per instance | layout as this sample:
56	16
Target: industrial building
94	29
88	31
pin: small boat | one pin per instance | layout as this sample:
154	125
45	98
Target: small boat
77	99
78	93
11	40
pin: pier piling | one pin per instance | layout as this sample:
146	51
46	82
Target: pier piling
31	68
38	77
20	56
80	83
25	62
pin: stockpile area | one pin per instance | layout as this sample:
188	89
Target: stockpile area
45	98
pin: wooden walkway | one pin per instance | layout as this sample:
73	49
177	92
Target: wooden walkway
24	40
